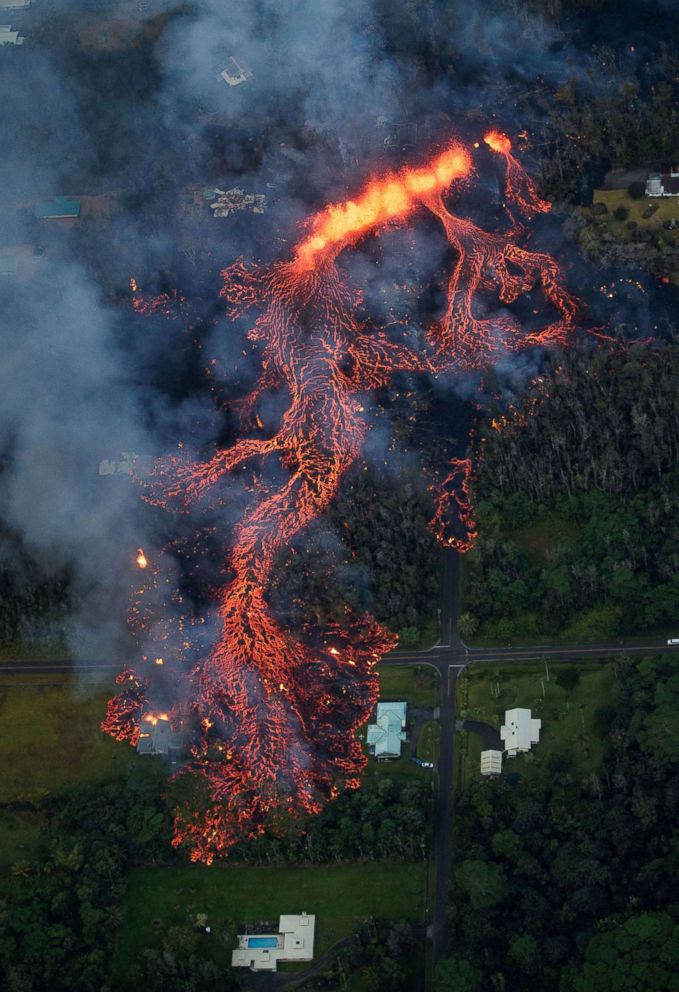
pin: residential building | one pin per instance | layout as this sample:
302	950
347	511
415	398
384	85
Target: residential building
129	464
262	952
234	72
491	762
520	731
665	182
386	735
156	735
57	208
226	202
9	37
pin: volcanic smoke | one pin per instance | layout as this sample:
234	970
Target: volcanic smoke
274	720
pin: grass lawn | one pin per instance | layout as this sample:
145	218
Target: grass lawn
50	737
567	716
417	684
396	770
668	208
428	744
16	651
340	896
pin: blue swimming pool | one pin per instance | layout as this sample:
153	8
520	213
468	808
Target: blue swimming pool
262	942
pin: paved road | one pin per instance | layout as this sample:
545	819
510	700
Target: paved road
448	657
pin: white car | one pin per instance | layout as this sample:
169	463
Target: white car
673	640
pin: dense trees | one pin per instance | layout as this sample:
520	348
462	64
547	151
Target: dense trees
62	909
385	819
577	503
551	866
374	552
640	954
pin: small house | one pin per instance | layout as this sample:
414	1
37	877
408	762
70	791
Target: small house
9	37
665	182
58	208
491	762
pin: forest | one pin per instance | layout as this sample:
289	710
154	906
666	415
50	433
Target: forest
570	884
576	495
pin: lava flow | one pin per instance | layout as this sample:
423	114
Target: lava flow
276	713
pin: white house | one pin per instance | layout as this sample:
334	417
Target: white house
520	731
262	952
234	73
491	762
386	735
665	182
9	37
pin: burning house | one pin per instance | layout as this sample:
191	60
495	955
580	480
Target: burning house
665	182
226	202
156	736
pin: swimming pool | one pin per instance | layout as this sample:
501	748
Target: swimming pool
262	941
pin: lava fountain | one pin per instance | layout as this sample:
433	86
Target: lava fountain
275	720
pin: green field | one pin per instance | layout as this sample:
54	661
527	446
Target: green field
50	737
417	684
567	716
668	209
428	744
340	896
17	651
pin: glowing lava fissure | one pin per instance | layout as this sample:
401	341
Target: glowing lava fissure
278	718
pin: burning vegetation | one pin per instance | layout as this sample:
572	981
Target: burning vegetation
272	714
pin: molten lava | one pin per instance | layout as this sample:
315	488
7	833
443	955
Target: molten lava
275	718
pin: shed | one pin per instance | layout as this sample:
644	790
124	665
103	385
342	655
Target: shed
491	762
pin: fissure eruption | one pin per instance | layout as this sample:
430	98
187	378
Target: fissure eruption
272	713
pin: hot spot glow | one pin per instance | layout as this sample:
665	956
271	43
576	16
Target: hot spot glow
393	197
141	559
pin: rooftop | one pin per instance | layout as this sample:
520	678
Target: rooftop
491	762
520	731
9	37
386	735
56	207
262	952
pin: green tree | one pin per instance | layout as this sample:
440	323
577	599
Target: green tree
639	955
456	975
568	678
467	624
485	883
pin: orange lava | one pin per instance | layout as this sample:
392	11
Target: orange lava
276	712
389	198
